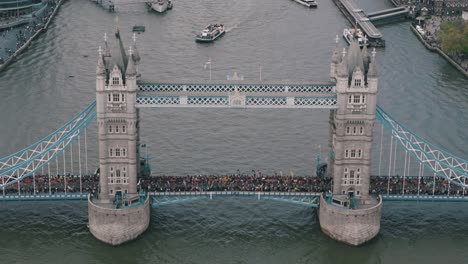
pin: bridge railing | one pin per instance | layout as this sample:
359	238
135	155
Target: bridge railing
24	163
441	162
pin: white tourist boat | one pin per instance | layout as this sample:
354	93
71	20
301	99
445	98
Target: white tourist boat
352	34
210	33
308	3
160	6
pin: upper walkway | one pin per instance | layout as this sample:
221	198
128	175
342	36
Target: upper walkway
237	94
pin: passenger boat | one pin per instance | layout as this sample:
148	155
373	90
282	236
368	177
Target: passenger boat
210	33
308	3
351	34
160	6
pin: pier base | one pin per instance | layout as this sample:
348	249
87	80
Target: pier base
351	226
117	226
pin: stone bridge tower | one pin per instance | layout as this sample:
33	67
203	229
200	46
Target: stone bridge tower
350	214
118	213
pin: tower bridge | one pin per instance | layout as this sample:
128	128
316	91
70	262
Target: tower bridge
118	212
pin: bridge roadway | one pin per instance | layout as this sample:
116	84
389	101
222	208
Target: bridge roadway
163	198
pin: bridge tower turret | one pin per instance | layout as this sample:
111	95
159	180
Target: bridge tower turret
118	213
351	133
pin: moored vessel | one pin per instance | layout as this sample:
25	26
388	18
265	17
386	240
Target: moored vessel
160	6
307	3
210	33
352	34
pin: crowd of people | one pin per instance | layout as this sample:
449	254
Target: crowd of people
39	184
14	37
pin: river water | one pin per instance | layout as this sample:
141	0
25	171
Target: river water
54	79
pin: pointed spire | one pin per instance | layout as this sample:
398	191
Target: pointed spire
365	55
373	71
354	57
100	69
136	54
343	66
336	53
131	68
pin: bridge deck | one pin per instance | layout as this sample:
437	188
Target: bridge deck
185	196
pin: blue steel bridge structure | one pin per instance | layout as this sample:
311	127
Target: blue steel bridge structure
65	151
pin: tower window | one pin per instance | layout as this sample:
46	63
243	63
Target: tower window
109	98
350	100
357	99
354	130
359	153
363	99
116	129
123	97
353	153
346	154
357	82
351	177
361	130
124	152
116	97
117	152
115	80
123	129
110	128
111	154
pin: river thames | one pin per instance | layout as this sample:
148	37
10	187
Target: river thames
55	79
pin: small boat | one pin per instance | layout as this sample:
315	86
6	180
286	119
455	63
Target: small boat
210	33
308	3
160	5
351	34
139	28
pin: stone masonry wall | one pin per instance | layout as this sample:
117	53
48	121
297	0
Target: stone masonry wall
351	226
116	226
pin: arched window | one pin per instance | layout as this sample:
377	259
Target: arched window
346	154
124	152
122	96
359	153
110	128
363	99
350	99
111	154
116	129
354	130
124	129
361	130
348	130
109	98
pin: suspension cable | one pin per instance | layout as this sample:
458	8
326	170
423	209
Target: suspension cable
404	173
381	144
50	185
79	163
390	164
